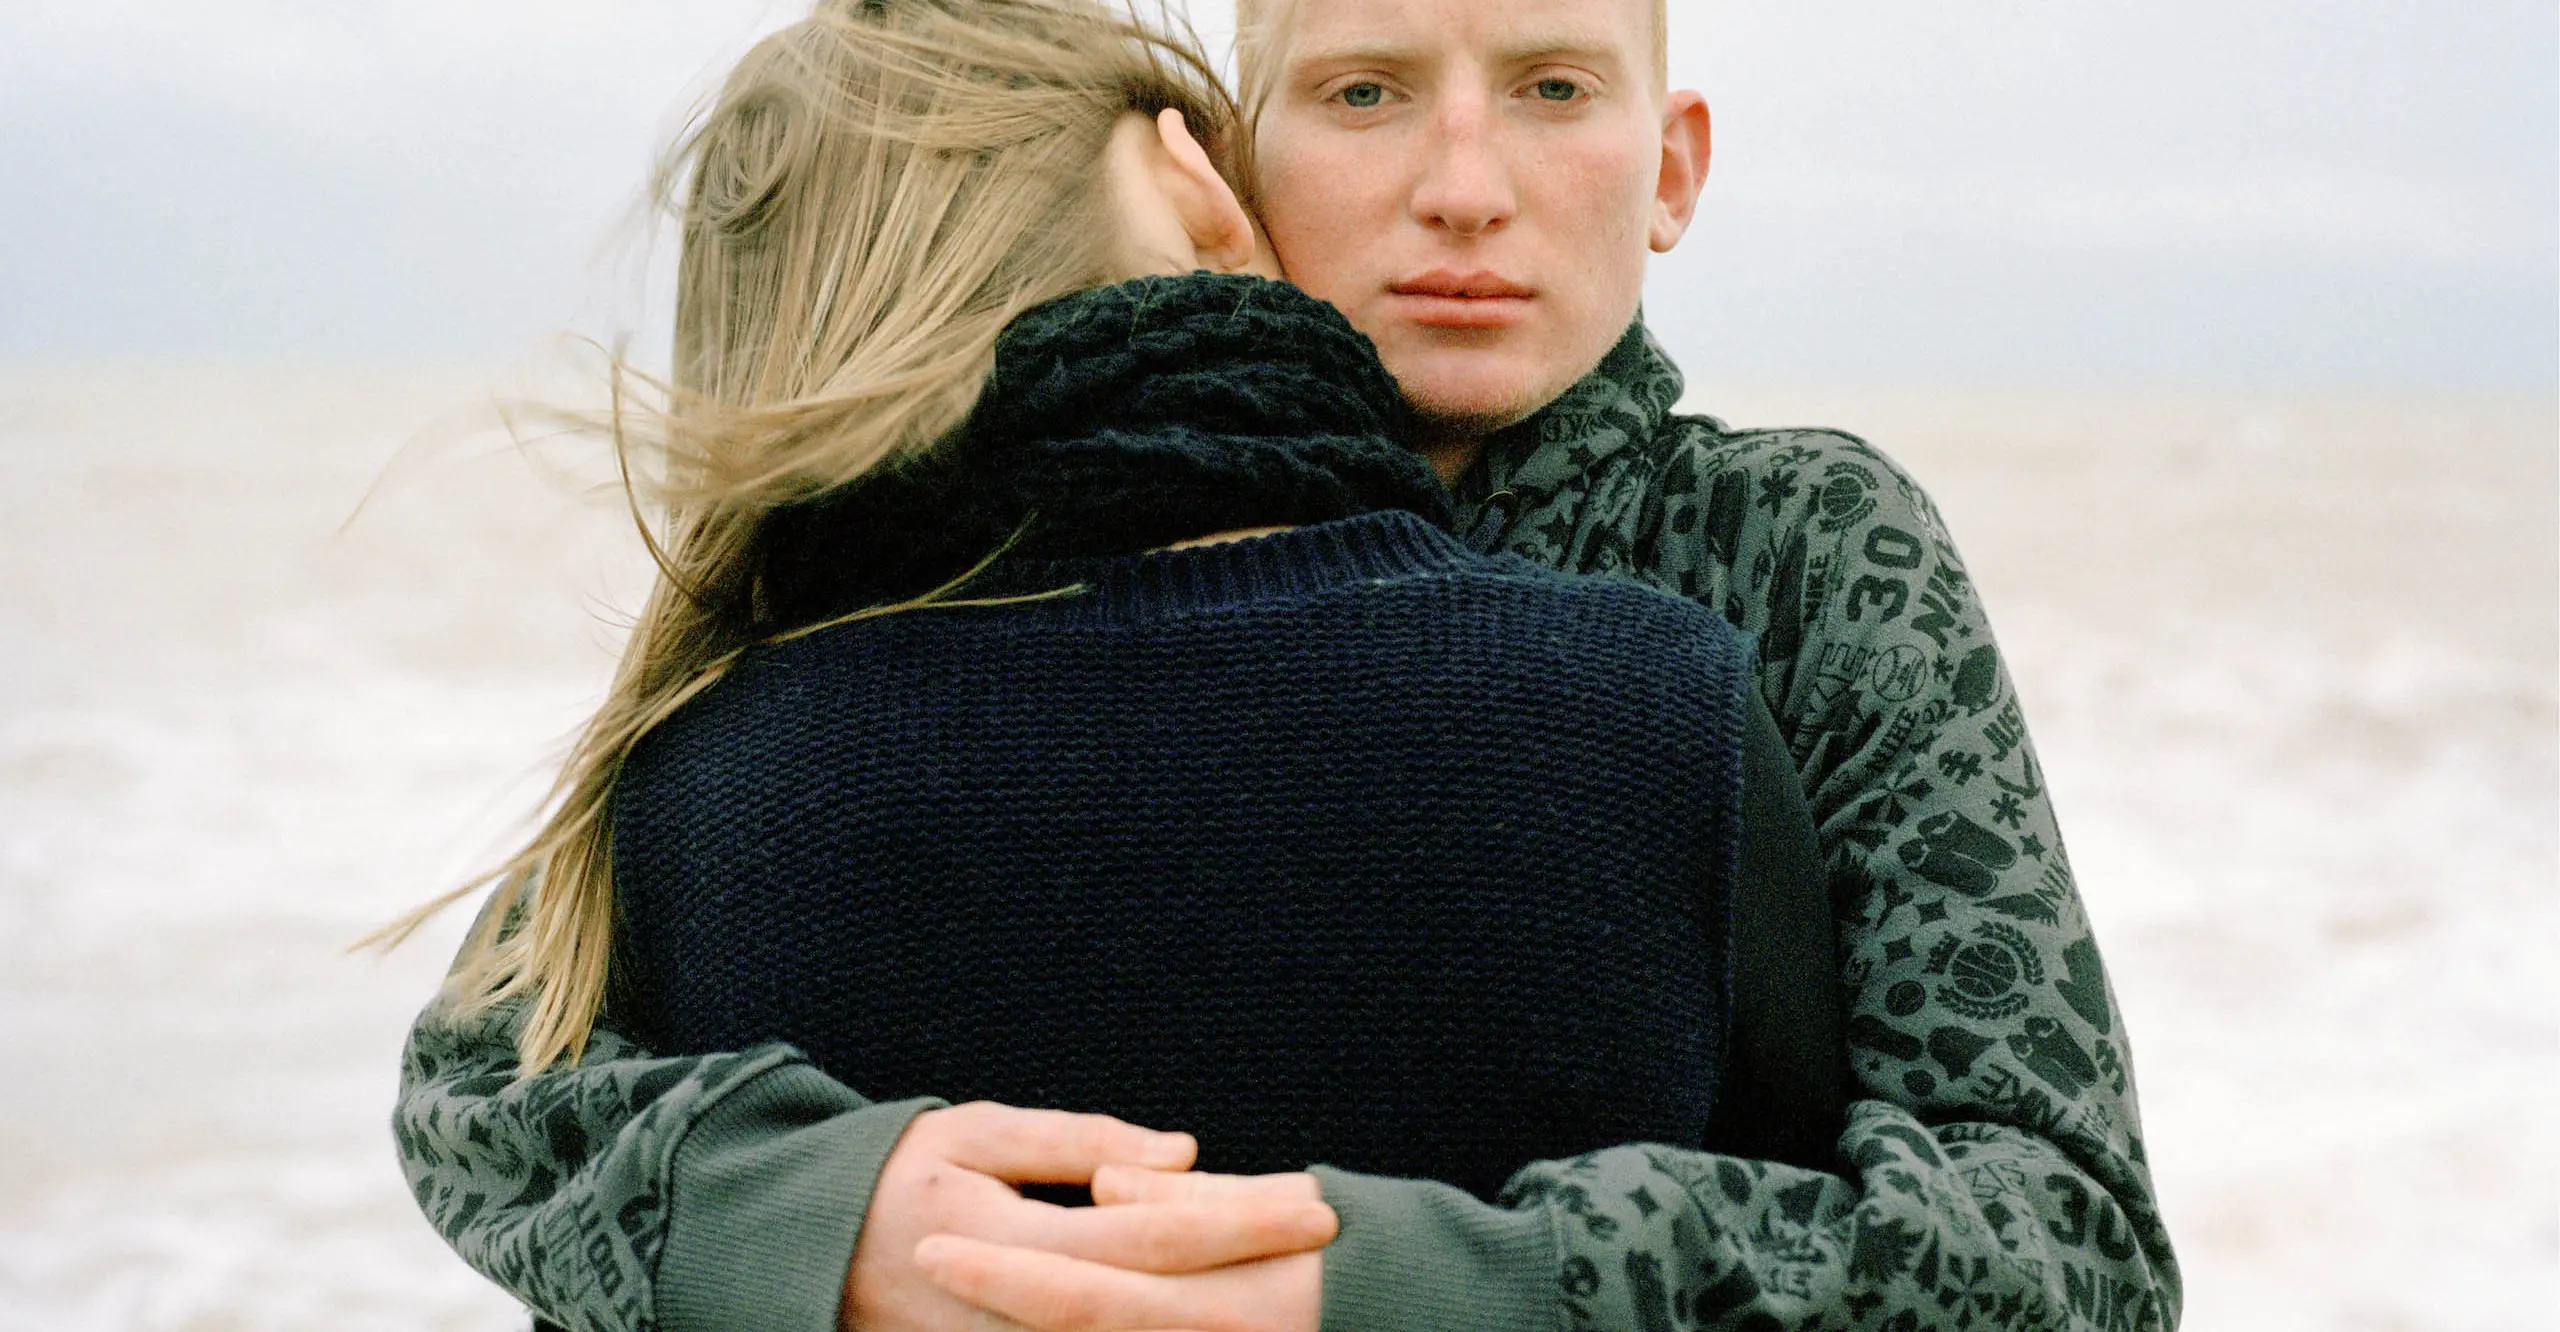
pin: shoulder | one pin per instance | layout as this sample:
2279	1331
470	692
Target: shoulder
1750	503
799	700
1829	478
1617	607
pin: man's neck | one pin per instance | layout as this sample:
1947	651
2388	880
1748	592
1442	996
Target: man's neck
1450	457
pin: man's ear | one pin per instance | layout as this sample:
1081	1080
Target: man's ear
1220	228
1688	138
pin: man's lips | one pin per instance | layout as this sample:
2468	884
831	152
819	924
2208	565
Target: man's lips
1478	285
1446	298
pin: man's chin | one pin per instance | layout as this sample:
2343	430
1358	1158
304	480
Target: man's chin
1465	396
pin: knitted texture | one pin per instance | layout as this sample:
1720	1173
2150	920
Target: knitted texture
1119	419
2000	1174
1346	845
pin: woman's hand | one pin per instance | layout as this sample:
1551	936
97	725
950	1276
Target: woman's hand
1050	1292
954	1173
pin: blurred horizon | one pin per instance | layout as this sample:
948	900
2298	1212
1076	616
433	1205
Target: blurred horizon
2279	195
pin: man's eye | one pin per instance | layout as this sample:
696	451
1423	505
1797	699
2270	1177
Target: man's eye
1362	96
1559	90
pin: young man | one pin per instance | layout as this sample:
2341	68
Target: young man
1476	183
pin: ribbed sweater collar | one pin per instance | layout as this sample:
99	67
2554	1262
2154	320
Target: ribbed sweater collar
1297	563
1116	421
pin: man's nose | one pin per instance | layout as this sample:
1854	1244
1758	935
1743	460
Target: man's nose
1465	186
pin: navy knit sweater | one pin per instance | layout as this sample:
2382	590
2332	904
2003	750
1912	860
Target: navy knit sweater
1346	845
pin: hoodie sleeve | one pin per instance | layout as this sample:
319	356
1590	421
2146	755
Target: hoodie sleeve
1991	1174
630	1191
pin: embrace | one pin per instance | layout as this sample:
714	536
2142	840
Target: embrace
1209	752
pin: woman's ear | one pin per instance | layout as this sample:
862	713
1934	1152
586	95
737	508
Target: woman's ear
1220	228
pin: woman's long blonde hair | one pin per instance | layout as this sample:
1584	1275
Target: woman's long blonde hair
875	193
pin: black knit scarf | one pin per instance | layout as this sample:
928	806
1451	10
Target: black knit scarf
1118	420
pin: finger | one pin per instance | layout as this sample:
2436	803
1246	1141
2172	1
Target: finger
1055	1146
1114	1183
1187	1237
1047	1292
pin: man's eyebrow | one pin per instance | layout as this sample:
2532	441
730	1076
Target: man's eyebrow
1357	53
1565	43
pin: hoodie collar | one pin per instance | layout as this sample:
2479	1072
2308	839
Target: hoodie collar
1625	399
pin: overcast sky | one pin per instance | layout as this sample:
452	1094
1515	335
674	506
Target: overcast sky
2212	192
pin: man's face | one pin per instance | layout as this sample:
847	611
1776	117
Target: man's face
1476	184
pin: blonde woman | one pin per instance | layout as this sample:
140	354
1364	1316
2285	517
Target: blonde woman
1043	587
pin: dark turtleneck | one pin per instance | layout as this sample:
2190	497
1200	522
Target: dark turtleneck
1344	845
1120	420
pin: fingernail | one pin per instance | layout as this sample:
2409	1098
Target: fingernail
1172	1149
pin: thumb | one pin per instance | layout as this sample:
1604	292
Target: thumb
1055	1146
1117	1183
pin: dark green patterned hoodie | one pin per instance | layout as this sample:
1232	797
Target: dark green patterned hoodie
1990	1176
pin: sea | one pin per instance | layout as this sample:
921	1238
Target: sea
284	651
